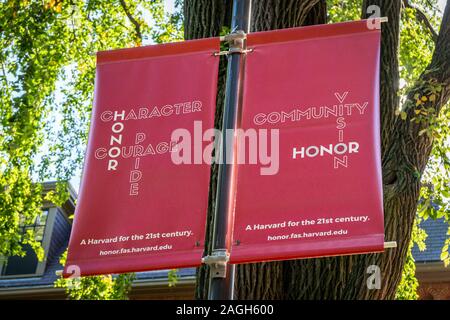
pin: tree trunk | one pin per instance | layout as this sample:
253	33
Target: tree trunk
203	19
404	156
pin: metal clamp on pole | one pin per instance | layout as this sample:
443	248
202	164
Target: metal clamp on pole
224	53
236	41
238	35
218	262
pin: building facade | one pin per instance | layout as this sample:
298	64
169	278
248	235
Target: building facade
433	276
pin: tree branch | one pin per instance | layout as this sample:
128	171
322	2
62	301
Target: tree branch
136	24
413	136
437	73
421	17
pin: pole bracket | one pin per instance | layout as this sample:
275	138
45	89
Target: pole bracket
238	35
232	50
236	41
390	244
217	261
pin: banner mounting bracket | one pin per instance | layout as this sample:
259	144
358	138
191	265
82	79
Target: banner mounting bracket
238	35
218	262
236	42
227	52
390	244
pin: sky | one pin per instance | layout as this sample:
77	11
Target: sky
169	5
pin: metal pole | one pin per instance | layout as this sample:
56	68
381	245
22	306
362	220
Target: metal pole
222	275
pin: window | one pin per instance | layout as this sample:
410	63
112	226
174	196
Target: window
29	264
38	226
21	265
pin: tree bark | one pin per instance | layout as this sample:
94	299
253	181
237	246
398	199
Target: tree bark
404	156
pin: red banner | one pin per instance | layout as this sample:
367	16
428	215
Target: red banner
138	210
321	195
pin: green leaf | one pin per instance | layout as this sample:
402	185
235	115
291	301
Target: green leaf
403	115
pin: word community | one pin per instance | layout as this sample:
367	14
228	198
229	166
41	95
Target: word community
311	113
